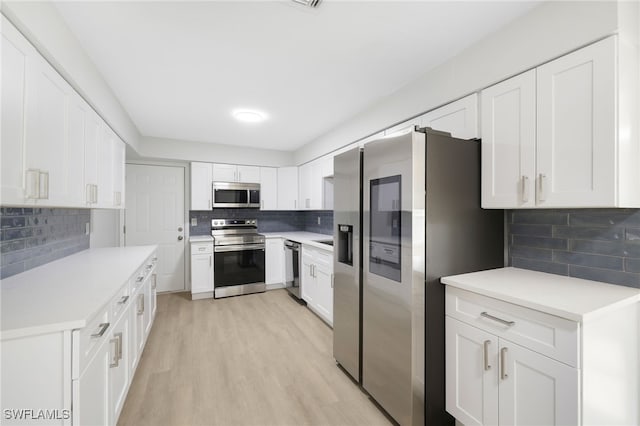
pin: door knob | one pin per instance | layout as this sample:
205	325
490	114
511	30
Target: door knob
180	237
179	228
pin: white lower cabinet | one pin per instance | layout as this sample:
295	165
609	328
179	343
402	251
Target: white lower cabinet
274	263
317	281
508	364
201	270
493	381
91	390
118	369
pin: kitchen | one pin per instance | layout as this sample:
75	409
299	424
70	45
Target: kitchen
567	210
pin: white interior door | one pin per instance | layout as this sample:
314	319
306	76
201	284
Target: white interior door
155	215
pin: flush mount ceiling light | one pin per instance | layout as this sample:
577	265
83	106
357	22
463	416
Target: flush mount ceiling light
249	116
308	3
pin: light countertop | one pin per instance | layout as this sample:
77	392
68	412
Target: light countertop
566	297
67	293
309	238
201	239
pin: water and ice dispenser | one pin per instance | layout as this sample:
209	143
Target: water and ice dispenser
345	244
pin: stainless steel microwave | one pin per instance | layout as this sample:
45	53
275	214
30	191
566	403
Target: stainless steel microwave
236	195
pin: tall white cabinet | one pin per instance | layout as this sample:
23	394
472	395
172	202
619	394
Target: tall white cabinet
201	186
559	135
530	348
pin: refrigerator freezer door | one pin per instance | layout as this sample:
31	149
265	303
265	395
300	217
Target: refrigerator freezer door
393	275
346	261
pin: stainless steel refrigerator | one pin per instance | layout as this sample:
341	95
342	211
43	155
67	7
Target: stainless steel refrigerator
406	212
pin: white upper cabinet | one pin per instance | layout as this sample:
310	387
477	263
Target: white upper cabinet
576	128
56	152
268	188
555	136
235	173
509	142
201	189
312	183
46	144
16	54
460	118
288	188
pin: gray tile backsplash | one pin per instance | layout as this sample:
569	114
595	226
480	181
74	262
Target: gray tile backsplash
31	237
268	221
596	244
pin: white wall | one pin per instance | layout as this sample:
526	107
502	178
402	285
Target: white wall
548	31
105	228
43	26
170	149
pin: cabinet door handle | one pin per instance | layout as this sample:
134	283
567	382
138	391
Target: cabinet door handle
33	184
140	304
89	193
487	366
542	184
525	189
123	300
101	330
95	193
114	363
332	275
119	337
295	204
155	281
139	279
500	320
503	364
45	186
209	200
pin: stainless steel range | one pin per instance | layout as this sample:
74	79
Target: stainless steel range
238	257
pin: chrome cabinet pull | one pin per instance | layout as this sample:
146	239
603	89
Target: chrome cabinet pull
500	320
525	189
45	186
114	363
487	366
332	275
89	193
95	193
119	351
503	364
33	184
140	304
103	327
139	279
123	300
542	183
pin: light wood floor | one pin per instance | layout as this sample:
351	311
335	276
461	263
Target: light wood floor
259	359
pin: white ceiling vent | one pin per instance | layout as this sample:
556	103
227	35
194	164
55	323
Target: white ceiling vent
308	3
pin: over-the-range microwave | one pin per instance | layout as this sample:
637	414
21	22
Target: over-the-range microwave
236	195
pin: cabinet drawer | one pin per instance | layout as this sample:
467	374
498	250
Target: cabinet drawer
201	248
87	341
120	303
549	335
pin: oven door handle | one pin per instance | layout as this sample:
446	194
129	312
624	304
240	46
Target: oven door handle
238	247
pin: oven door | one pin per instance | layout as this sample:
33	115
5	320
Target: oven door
238	264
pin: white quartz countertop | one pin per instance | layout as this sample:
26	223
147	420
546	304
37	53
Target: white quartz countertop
571	298
309	238
67	293
201	239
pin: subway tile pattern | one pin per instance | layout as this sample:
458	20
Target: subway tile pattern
595	244
268	221
31	237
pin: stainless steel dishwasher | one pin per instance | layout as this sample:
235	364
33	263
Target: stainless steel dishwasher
293	265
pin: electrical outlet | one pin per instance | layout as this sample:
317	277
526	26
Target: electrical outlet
194	221
318	220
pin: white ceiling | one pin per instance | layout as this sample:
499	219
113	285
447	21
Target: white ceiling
180	68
